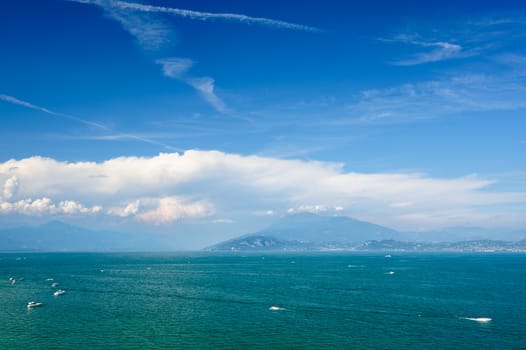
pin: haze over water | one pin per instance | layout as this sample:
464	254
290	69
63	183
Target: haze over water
281	301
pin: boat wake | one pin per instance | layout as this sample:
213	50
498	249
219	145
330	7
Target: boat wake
477	319
276	308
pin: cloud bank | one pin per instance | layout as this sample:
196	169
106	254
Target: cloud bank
212	185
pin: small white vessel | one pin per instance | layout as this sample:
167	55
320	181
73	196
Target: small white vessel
390	273
49	279
32	304
59	292
54	284
275	308
478	319
387	256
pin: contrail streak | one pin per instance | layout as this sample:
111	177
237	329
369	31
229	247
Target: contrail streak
203	16
16	101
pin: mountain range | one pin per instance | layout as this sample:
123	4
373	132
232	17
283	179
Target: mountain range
61	237
313	232
298	232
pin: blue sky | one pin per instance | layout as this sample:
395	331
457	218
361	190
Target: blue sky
408	114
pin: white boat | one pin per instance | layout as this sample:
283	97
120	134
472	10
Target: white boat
478	319
387	256
59	292
54	284
32	304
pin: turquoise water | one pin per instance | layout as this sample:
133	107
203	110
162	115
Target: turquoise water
203	301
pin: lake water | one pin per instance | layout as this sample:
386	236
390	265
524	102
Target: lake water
272	301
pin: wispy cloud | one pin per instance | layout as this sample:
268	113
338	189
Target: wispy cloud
16	101
152	33
204	16
440	51
451	95
457	39
116	134
206	88
199	15
177	68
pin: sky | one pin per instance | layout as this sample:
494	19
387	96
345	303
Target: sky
208	119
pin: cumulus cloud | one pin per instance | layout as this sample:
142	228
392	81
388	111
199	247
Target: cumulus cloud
171	209
172	187
46	206
10	187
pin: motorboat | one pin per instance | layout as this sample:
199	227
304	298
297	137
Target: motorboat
33	304
59	292
54	284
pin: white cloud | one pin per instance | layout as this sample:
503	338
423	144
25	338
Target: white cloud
205	87
45	206
172	187
440	51
116	135
223	221
153	33
130	209
177	68
171	209
204	16
316	209
16	101
469	92
450	39
10	187
400	204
